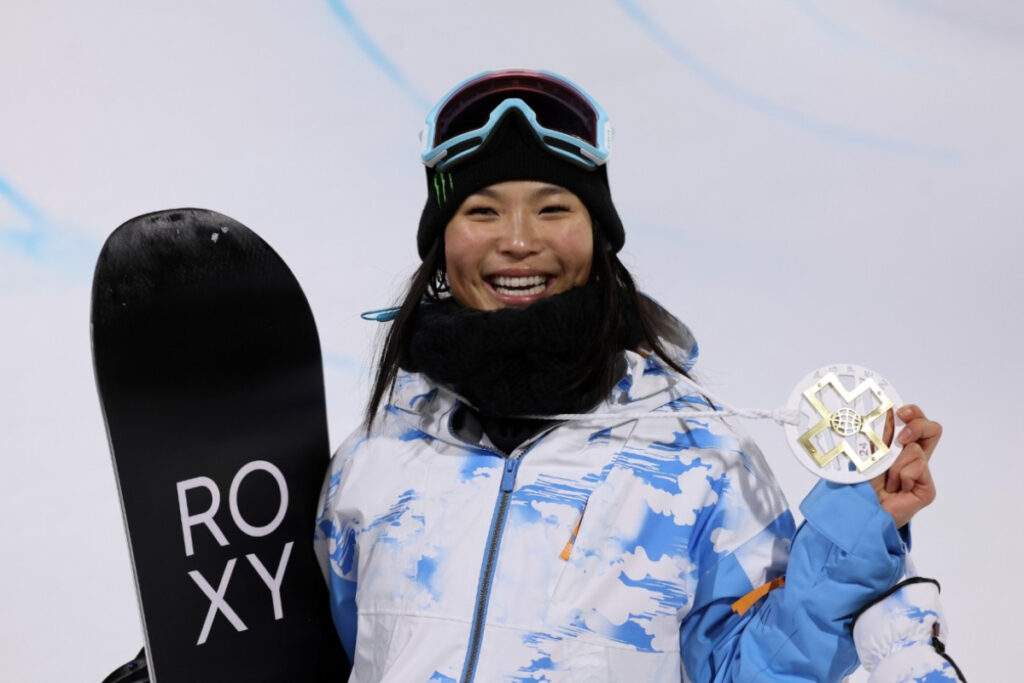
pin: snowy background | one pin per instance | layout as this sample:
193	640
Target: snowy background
802	181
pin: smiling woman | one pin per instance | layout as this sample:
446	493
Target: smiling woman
516	242
467	534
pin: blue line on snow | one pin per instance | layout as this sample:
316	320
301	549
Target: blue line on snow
377	55
763	105
342	362
844	36
27	241
19	202
35	236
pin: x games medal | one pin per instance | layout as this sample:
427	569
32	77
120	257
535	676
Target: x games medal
840	432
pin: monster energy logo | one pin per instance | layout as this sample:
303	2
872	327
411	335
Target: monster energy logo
443	184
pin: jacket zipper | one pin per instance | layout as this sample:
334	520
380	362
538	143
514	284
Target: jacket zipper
483	593
508	479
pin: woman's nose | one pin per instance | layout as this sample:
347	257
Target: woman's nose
520	236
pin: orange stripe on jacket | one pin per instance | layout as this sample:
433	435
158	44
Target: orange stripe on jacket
748	600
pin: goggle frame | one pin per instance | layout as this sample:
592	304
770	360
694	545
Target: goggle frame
572	148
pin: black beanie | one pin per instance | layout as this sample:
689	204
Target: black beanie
513	152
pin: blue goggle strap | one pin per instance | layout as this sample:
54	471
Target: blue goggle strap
386	315
381	315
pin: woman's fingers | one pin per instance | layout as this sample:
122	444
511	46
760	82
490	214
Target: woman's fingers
919	429
909	412
916	478
893	478
908	486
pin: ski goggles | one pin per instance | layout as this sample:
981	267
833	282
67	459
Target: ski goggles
566	120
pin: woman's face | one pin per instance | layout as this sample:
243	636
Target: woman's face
513	243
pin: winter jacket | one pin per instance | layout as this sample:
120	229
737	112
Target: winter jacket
609	550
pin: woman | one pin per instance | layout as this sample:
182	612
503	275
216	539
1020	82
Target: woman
466	537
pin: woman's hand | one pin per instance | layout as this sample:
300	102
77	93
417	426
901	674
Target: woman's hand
907	486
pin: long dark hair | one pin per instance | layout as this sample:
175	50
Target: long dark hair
618	295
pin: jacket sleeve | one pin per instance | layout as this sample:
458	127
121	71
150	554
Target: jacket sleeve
334	542
846	554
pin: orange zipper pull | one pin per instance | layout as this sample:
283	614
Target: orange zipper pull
567	550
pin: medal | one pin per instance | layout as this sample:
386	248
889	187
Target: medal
836	426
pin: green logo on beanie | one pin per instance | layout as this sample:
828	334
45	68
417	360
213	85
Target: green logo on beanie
443	184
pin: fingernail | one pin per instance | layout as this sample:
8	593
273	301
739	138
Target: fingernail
904	411
904	436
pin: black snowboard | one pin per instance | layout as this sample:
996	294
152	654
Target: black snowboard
209	373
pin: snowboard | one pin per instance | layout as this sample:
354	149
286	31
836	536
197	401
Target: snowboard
209	373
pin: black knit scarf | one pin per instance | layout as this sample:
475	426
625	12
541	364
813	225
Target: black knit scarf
543	359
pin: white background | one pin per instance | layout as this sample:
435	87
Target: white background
802	182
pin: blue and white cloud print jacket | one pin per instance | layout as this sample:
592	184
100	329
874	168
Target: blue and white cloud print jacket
609	550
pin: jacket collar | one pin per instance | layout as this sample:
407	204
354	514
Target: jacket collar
646	384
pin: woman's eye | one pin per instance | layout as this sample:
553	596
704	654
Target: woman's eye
480	211
555	208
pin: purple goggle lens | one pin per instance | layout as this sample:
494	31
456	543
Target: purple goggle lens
560	109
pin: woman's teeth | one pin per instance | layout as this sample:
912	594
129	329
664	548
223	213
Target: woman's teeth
519	286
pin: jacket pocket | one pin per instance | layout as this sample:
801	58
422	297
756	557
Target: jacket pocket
584	556
571	543
624	582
